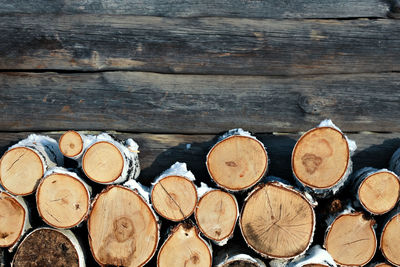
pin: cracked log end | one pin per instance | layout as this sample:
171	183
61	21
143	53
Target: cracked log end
46	247
103	162
62	200
237	162
379	192
174	197
12	218
390	240
123	230
277	222
184	247
70	144
216	214
20	171
351	240
320	157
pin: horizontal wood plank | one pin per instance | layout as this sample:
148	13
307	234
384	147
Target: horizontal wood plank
159	151
199	45
167	103
196	8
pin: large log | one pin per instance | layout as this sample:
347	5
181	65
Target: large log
14	220
277	221
24	164
185	247
321	159
206	8
377	191
173	194
123	229
49	247
90	42
63	198
350	238
237	161
212	104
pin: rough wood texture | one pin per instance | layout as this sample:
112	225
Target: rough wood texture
12	220
201	45
141	102
160	151
196	8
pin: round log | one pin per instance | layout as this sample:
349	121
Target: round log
238	161
24	164
123	230
49	247
14	220
351	239
216	215
390	238
174	197
377	191
107	161
277	221
185	247
321	159
71	144
63	199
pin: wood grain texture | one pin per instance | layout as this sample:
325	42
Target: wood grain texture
198	45
159	151
198	8
160	103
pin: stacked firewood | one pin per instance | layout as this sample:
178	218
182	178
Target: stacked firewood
277	219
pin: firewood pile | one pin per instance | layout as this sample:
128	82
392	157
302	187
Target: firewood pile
63	202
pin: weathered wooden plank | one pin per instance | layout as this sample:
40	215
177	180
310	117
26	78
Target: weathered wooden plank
159	151
201	8
200	45
166	103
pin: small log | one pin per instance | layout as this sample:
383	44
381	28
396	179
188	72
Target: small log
185	247
123	229
174	195
216	215
23	164
49	247
277	221
72	144
14	220
63	198
377	191
237	161
321	159
394	163
107	161
390	238
351	238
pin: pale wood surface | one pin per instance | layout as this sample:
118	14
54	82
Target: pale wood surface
184	247
237	162
390	241
20	170
12	220
320	157
70	143
379	192
123	231
277	221
103	162
62	201
174	197
216	214
351	240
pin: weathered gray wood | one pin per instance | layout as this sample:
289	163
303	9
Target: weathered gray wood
199	45
159	151
164	103
197	8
